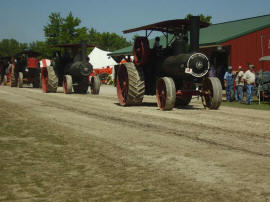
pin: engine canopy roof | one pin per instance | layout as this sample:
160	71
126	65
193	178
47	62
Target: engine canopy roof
169	26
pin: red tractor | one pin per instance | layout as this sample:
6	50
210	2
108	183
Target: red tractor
174	73
26	69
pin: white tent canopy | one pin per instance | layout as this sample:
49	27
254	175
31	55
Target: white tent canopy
99	58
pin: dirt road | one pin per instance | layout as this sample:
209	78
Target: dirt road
88	148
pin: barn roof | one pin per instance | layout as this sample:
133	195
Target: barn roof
217	33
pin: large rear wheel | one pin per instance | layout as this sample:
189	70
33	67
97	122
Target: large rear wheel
165	93
49	80
95	84
20	80
67	84
130	84
211	93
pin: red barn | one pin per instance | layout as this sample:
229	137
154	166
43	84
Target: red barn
237	43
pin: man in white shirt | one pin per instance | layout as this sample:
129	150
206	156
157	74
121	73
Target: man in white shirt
249	78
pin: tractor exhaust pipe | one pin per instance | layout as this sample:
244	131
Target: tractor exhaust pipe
194	33
84	47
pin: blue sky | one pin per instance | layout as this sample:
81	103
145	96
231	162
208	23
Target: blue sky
23	20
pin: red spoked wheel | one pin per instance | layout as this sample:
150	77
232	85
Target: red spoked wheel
165	93
141	50
67	84
44	79
122	86
211	93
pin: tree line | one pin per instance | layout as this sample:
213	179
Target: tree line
64	30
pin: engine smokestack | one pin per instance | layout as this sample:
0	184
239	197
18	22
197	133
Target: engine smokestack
194	33
84	47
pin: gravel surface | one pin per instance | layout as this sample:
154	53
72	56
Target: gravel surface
141	153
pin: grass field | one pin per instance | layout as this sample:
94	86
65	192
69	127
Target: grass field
263	105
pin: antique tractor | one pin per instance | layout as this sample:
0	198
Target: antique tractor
71	69
26	69
174	73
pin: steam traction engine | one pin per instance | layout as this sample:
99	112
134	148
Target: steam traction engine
26	69
174	73
70	70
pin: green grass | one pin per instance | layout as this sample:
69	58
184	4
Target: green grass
264	105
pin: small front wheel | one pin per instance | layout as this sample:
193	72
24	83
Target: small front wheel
67	84
165	93
20	80
211	93
95	85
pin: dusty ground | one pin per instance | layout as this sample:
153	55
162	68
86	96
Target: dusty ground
58	147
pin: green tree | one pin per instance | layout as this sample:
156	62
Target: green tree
10	47
40	47
61	30
107	41
203	18
52	30
70	32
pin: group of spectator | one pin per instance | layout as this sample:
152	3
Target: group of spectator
240	79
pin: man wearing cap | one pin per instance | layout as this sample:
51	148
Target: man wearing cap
239	84
249	78
228	83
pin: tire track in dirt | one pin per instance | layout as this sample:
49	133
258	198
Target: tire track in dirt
135	123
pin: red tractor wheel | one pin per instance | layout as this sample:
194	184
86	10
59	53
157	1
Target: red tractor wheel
165	93
211	93
141	50
49	80
130	84
67	84
20	80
